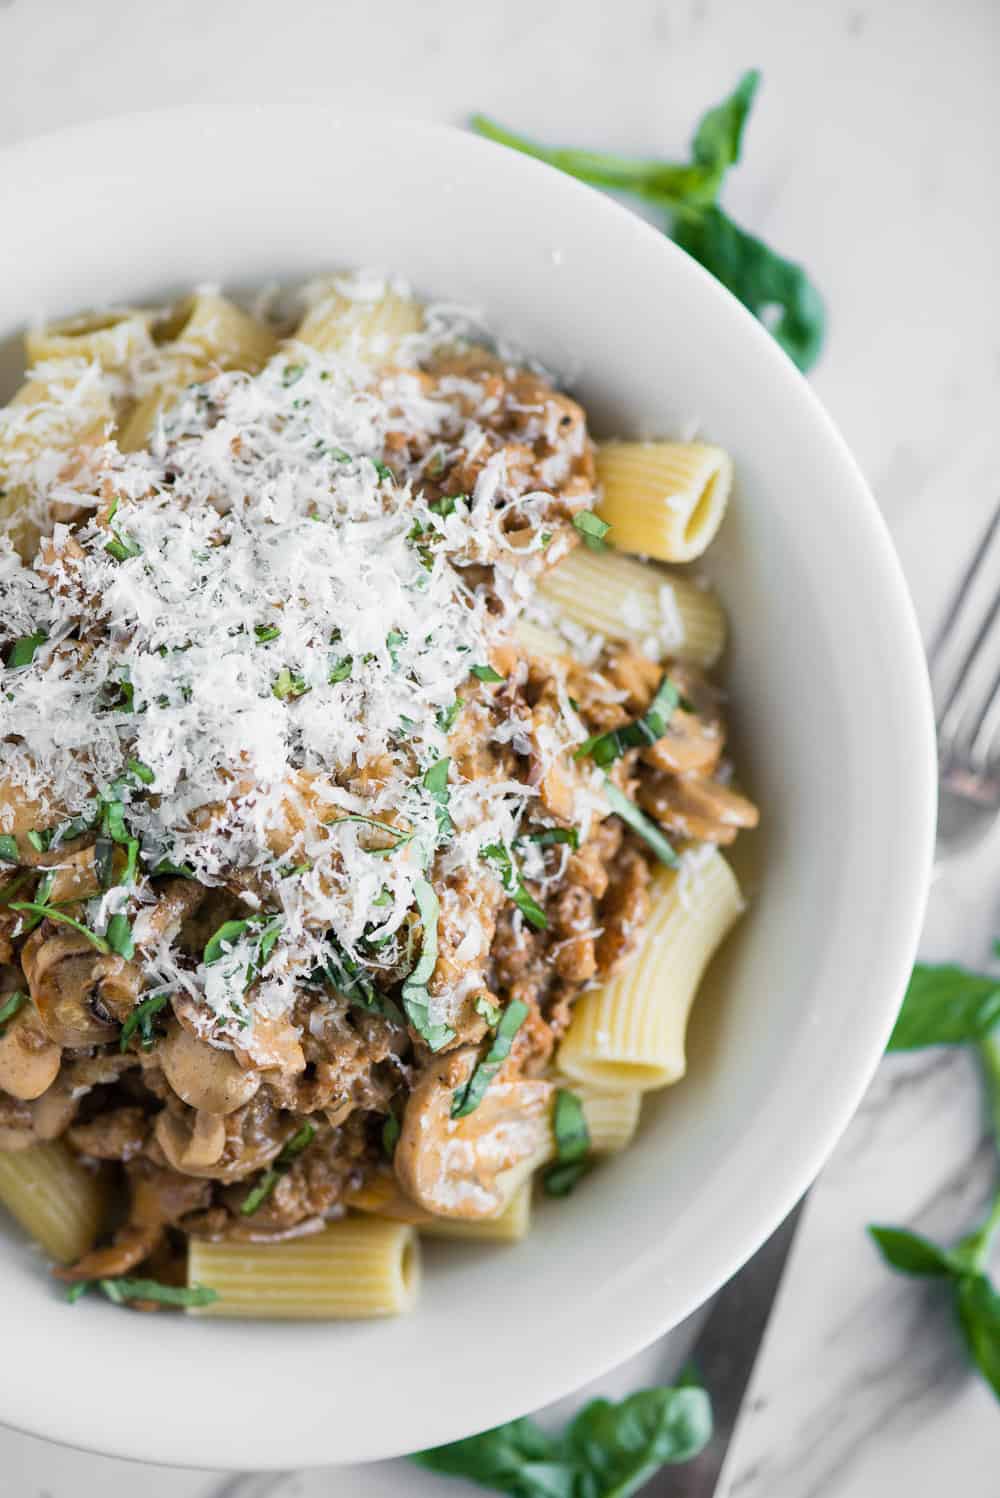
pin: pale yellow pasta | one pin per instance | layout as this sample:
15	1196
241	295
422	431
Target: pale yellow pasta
612	1117
630	1032
54	1198
370	328
111	339
204	334
637	603
663	499
356	1268
537	640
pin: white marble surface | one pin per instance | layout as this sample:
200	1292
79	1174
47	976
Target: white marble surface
871	156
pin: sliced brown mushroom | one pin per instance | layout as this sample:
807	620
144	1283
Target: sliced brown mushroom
470	1167
692	807
203	1075
29	1060
273	1044
695	738
192	1145
127	1249
60	968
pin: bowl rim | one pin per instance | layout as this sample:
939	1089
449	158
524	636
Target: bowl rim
27	163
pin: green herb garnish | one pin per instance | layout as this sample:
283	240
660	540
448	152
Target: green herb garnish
435	783
513	885
39	839
686	194
415	995
605	748
548	836
640	823
390	1135
466	1099
447	716
946	1005
140	771
141	1019
292	374
290	1152
265	633
489	1011
49	912
9	1007
8	849
608	1451
22	651
486	673
120	547
122	1290
119	935
289	684
341	669
569	1125
592	528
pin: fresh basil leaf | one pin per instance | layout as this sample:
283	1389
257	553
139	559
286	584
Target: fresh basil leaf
488	1011
608	1451
119	935
122	1290
288	685
289	1152
10	1006
466	1100
141	1019
718	138
390	1135
761	279
265	633
513	885
341	670
945	1005
447	716
912	1254
140	771
415	995
435	782
8	849
552	835
621	1446
486	673
572	1136
400	838
592	528
640	823
39	840
605	748
122	548
48	912
22	651
224	938
977	1306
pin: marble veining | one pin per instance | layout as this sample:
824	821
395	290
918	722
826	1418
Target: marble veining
871	157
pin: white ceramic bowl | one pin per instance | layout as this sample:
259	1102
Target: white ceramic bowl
831	704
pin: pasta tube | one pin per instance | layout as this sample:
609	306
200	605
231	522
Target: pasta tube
111	339
630	1033
637	604
383	1196
358	1267
370	328
54	1198
663	499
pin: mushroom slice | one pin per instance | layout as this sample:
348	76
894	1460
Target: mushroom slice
696	808
60	969
191	1146
202	1075
127	1249
470	1167
29	1060
694	739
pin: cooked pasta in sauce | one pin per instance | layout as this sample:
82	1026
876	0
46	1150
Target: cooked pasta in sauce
360	803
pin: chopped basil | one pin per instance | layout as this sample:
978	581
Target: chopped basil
489	1011
416	999
400	837
502	860
550	835
10	1006
341	670
545	538
122	547
140	771
292	374
119	935
640	823
104	855
382	469
22	651
605	748
289	684
393	641
435	782
569	1125
390	1135
466	1100
122	1290
447	716
258	1195
39	840
8	849
266	633
446	504
487	673
592	528
230	932
48	912
141	1019
13	885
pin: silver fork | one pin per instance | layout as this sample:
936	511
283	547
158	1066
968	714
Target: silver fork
964	663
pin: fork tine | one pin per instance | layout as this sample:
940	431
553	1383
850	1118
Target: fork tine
950	711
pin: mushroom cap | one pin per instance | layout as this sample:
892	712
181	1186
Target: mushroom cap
204	1076
29	1060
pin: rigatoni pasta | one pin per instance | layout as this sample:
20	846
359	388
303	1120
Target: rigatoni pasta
361	796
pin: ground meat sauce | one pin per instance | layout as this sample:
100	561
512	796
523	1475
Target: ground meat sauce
190	1081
